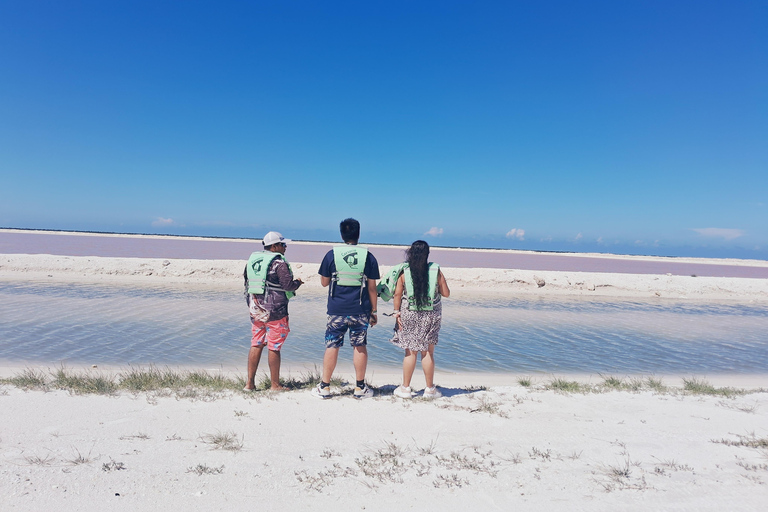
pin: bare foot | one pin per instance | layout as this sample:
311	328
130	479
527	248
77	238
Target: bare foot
246	388
279	388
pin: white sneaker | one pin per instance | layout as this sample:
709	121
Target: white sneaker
321	392
432	392
364	392
403	392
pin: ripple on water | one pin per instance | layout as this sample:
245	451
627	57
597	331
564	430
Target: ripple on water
78	323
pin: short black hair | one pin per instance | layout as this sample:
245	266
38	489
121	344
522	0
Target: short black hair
350	230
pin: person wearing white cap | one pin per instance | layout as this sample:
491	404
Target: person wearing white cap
269	284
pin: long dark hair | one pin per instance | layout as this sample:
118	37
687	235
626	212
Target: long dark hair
418	261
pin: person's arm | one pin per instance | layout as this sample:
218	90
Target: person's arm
374	301
442	285
245	283
325	269
285	277
397	298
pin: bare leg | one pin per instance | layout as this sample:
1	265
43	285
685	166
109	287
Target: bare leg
409	365
274	370
329	363
360	360
428	365
254	356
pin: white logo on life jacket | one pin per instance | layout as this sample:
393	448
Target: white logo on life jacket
351	259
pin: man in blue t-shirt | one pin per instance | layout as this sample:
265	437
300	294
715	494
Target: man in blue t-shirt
351	272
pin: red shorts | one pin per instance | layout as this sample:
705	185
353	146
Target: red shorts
272	334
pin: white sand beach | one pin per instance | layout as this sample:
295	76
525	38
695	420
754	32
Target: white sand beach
493	442
496	449
510	282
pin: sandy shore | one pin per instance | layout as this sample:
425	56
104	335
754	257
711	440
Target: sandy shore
510	282
496	448
499	448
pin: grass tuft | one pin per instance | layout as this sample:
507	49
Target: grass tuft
702	387
526	382
203	469
567	386
84	384
224	441
750	441
28	379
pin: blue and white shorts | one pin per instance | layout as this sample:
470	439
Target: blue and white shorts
339	324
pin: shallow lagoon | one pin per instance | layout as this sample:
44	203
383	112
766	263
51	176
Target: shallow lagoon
56	323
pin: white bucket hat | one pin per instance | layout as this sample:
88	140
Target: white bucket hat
273	237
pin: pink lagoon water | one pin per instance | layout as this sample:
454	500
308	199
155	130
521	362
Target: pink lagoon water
138	246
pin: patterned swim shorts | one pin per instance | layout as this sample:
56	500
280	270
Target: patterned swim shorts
339	324
273	333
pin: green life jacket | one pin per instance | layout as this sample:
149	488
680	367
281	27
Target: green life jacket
350	267
386	287
257	268
433	270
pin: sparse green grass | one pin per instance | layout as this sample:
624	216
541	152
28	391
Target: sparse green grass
656	384
201	385
701	387
84	384
28	379
568	386
609	381
524	381
197	384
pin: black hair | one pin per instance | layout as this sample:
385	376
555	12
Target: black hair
350	230
418	261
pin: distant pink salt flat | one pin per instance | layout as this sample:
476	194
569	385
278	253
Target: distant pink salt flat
148	246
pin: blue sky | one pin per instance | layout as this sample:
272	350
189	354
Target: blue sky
625	127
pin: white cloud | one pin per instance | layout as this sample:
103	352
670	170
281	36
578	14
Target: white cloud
516	233
162	222
728	234
600	240
579	236
434	232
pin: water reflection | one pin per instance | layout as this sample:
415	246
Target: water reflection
190	325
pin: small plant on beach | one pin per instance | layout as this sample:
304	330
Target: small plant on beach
28	379
526	382
112	465
545	455
750	441
567	386
486	405
78	458
609	381
204	469
223	441
656	384
140	435
83	383
702	387
428	449
620	476
35	460
452	480
329	452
